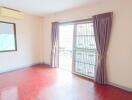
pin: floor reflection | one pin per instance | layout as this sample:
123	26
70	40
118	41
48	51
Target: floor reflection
10	93
42	83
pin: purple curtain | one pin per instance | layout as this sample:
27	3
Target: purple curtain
102	31
55	42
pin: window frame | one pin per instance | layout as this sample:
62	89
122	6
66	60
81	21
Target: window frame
75	22
15	37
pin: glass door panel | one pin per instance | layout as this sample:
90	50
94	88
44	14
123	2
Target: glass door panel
66	46
84	49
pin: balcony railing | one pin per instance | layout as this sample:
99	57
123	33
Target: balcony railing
65	59
84	61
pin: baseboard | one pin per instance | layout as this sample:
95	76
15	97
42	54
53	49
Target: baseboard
41	64
13	69
18	68
120	86
46	64
109	83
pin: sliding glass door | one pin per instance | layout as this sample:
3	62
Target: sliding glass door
77	48
84	60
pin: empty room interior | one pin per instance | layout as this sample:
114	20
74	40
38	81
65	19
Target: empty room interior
65	50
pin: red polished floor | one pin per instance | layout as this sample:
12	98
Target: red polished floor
43	83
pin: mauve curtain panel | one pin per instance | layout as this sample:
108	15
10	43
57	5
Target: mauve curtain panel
55	42
102	31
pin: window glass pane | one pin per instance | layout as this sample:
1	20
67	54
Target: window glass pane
85	29
85	49
87	42
7	42
65	46
7	36
66	36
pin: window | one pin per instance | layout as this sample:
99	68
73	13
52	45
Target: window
7	37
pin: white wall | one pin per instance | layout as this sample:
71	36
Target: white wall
28	31
119	60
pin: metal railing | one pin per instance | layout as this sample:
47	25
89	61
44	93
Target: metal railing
85	50
65	59
85	62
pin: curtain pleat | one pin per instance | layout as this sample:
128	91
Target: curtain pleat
102	31
55	42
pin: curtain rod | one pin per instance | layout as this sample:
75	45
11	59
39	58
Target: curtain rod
76	21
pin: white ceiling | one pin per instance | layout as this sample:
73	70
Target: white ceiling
42	7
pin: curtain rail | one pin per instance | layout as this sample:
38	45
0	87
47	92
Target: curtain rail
77	21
